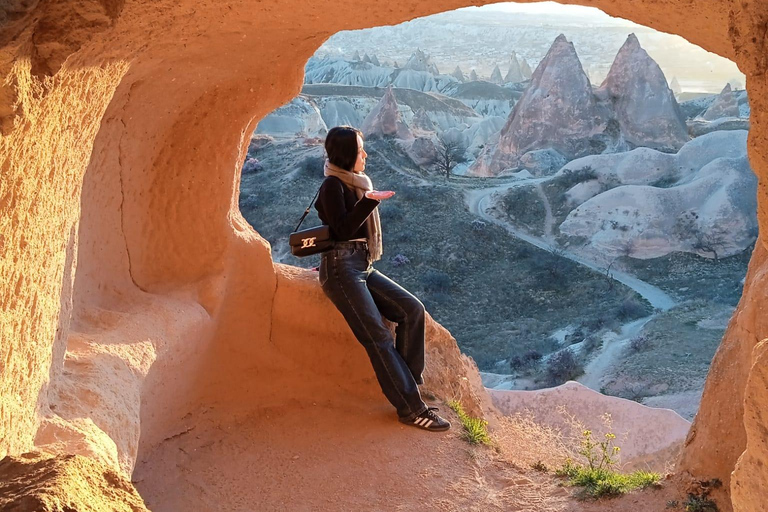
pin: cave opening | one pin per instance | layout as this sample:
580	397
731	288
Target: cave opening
561	256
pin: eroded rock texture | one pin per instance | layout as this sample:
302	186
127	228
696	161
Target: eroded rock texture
644	105
132	289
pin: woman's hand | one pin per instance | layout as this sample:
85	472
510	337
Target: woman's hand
379	195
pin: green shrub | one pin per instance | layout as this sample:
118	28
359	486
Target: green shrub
563	366
597	477
475	429
699	504
700	501
523	206
630	308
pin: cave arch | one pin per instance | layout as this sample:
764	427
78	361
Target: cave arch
128	134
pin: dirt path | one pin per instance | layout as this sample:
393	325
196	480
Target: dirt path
479	203
613	346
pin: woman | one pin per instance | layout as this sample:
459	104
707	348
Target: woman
347	204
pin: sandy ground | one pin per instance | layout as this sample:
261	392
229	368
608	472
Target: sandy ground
322	456
275	459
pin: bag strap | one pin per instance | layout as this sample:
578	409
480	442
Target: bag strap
306	212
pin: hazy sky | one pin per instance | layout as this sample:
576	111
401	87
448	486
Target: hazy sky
551	8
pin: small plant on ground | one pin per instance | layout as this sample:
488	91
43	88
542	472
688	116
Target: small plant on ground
639	344
475	429
700	501
699	504
540	466
598	477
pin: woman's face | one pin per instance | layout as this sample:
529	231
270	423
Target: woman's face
361	156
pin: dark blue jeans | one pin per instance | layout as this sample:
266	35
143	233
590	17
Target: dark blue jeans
363	294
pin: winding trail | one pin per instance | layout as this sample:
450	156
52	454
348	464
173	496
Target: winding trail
478	201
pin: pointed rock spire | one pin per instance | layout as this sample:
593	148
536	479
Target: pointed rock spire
397	66
422	122
375	60
385	119
675	86
458	74
366	58
514	74
473	76
644	105
417	61
420	61
558	110
356	56
725	105
525	69
496	75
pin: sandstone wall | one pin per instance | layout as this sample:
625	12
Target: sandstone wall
124	125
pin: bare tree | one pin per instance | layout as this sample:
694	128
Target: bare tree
450	151
711	241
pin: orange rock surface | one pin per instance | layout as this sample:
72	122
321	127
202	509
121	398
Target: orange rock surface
133	292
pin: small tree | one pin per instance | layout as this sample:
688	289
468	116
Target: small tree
450	151
712	241
688	228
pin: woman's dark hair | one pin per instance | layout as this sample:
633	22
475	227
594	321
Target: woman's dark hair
341	146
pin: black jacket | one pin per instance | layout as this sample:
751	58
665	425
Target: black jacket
338	207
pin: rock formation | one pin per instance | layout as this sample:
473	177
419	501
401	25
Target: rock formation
707	206
356	56
642	102
458	74
650	433
525	69
675	86
385	119
538	120
422	123
419	61
43	483
473	76
422	151
725	105
136	299
366	59
375	60
337	71
515	73
496	76
299	118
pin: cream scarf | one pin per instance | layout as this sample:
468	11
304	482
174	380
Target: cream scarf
360	183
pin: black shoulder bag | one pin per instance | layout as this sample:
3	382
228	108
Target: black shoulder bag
310	241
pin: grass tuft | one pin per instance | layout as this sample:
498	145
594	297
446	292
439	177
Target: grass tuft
600	483
597	477
475	429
